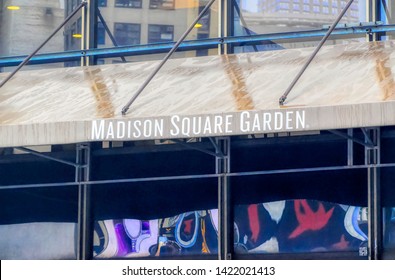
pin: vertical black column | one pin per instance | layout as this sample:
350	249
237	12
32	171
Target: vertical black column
226	23
85	228
374	14
372	157
225	213
93	24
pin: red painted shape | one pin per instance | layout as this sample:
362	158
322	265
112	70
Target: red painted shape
254	221
188	226
308	219
342	245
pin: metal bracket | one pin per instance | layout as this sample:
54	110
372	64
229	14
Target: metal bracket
218	150
48	157
368	139
182	143
365	143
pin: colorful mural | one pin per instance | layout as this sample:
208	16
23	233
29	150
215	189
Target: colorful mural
297	226
389	228
273	227
189	233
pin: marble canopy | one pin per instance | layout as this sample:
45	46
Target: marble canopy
346	86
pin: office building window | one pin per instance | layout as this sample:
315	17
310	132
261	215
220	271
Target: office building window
127	33
160	33
128	3
101	33
161	4
102	3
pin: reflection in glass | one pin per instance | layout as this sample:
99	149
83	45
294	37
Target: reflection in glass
272	16
160	21
31	241
127	33
277	16
22	30
160	33
300	226
32	23
128	3
161	4
191	233
389	231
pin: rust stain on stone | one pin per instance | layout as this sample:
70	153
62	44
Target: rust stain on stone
239	88
105	108
383	71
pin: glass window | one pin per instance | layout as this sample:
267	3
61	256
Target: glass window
157	13
161	4
127	33
299	226
128	3
389	231
297	213
272	16
102	3
101	33
37	223
160	33
189	233
272	22
32	22
158	218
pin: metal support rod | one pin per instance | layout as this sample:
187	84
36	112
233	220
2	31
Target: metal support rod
318	48
46	156
113	40
368	140
156	70
387	12
217	149
350	147
192	44
200	176
27	59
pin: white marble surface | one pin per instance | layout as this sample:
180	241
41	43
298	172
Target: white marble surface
342	75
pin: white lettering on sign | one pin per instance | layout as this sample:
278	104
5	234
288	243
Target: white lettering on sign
246	122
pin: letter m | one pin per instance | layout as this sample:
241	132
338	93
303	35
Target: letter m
98	130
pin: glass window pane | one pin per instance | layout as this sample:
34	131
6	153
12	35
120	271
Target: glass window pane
388	201
299	226
189	233
128	3
160	33
25	25
127	33
389	232
302	212
156	219
162	21
277	16
38	223
101	34
161	4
